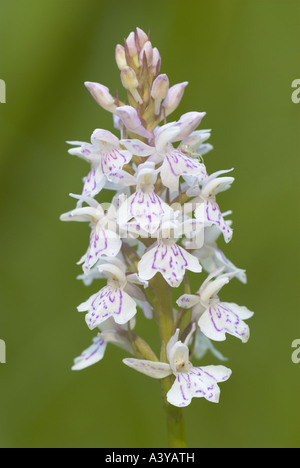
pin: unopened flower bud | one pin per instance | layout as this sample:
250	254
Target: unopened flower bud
130	41
130	82
147	50
141	37
156	61
101	95
159	91
132	121
131	49
174	97
120	57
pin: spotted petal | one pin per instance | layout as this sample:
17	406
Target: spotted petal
91	355
223	317
137	147
93	183
103	242
146	208
170	260
109	302
199	382
114	160
177	164
186	301
210	213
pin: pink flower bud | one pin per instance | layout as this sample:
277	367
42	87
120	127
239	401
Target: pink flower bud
148	51
159	91
141	37
129	79
130	82
101	95
130	41
174	97
120	57
131	120
156	60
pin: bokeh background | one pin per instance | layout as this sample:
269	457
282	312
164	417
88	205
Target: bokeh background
240	58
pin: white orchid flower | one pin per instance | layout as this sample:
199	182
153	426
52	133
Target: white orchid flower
112	300
207	209
167	257
105	156
104	239
145	206
216	318
190	381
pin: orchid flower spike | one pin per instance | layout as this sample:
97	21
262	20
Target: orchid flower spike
161	228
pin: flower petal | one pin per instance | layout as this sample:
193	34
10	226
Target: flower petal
103	242
221	318
186	301
170	260
100	135
132	122
146	208
84	214
137	147
177	164
109	302
91	355
121	177
114	160
156	370
93	183
199	382
188	123
210	213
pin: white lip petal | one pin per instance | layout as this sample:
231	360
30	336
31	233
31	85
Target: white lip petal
222	318
200	382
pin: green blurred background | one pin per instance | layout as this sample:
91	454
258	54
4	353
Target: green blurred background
240	58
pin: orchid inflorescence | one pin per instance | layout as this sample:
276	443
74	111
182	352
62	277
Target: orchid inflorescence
163	222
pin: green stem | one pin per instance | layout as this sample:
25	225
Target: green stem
163	304
175	420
